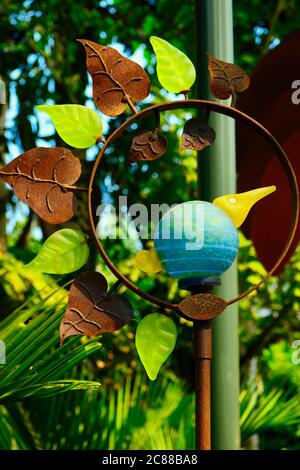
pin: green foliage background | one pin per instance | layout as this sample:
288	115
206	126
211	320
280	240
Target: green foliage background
40	61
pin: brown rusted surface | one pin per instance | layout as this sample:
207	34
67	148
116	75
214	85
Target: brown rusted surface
226	79
202	306
91	310
202	339
202	355
117	81
209	106
147	146
197	135
44	179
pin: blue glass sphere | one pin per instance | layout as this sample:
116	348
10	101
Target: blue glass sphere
196	239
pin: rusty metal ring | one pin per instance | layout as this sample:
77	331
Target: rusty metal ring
224	110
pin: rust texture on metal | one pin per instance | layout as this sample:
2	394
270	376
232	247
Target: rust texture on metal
226	79
202	356
197	135
147	146
44	179
117	81
202	306
92	310
209	106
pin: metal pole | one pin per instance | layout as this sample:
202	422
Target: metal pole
217	176
202	355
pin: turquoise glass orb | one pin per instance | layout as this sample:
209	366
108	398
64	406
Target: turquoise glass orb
196	239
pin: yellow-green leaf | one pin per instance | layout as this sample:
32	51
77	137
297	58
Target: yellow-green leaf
155	339
148	261
63	252
175	71
296	292
77	125
257	267
254	279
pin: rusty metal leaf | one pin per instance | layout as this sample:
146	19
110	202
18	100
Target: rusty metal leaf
147	146
197	135
226	79
91	310
117	81
202	306
44	179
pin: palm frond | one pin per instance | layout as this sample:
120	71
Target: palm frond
14	433
142	415
274	409
135	415
35	362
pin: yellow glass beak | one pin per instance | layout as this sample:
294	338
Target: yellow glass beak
237	206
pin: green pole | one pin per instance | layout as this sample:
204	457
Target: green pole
217	176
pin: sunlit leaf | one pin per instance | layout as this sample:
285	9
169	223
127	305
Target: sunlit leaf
77	125
257	267
254	279
155	340
175	71
63	252
148	261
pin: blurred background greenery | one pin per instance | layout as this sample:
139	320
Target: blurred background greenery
51	397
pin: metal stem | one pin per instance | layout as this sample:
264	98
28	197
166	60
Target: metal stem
131	105
115	286
202	355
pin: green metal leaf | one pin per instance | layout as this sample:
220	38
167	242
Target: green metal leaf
77	125
63	252
155	340
175	71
